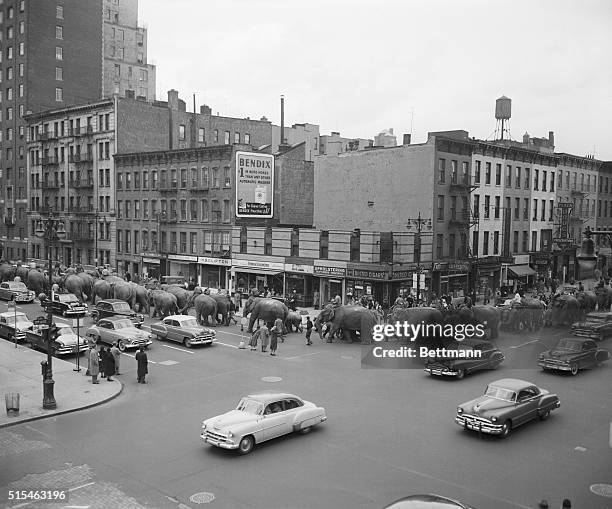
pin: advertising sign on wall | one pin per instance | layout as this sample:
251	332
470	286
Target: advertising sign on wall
254	185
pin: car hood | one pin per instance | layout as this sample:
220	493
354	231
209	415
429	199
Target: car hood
485	406
587	325
23	326
559	353
70	339
231	418
199	330
133	333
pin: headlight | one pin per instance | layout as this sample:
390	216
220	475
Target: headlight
459	410
541	356
230	434
203	425
493	419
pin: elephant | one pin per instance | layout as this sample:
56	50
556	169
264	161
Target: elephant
294	319
565	310
425	316
604	297
349	319
587	301
37	282
489	316
205	306
529	313
184	298
22	271
223	307
102	289
164	303
7	272
88	282
133	294
261	308
74	284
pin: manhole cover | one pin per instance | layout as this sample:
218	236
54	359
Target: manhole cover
346	356
271	379
202	498
603	490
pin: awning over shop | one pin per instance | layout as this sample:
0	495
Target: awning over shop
521	270
252	270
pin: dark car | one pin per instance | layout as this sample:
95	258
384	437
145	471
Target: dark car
426	502
597	325
65	304
478	355
573	354
115	307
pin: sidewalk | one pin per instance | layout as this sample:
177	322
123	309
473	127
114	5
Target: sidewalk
20	372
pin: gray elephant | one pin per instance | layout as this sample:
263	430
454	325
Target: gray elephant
489	316
294	320
223	307
88	283
37	282
565	310
102	289
348	319
7	272
587	301
205	306
22	271
184	298
604	297
135	295
163	303
264	309
425	316
74	284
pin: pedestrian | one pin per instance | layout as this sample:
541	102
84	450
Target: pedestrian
308	330
116	357
102	356
315	299
264	335
110	365
254	338
128	277
94	364
143	361
276	331
566	504
232	312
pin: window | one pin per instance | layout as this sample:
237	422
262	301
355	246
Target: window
201	135
497	205
59	32
525	241
236	137
215	177
485	243
534	241
552	182
226	176
543	211
216	136
451	245
143	75
145	180
526	178
205	177
498	174
517	182
477	173
117	70
21	48
183	178
552	208
488	174
182	132
59	94
453	208
525	209
9	33
243	239
495	242
136	209
508	176
59	73
59	54
439	246
475	242
193	210
21	27
517	207
440	207
226	138
205	214
535	210
323	245
247	138
355	245
441	170
453	171
544	179
515	242
476	206
183	210
536	179
487	206
59	12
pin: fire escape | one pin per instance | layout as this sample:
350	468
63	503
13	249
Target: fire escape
463	219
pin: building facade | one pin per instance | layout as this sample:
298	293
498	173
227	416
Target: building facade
334	144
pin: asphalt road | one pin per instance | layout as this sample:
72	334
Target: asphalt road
389	433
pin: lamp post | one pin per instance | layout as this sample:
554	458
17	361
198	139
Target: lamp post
417	225
49	229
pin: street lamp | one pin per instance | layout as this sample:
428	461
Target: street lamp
417	225
50	229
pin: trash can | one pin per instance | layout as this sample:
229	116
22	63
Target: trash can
12	403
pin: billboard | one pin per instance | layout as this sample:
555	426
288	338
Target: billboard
254	185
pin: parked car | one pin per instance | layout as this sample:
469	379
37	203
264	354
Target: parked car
573	354
261	417
66	342
116	307
426	502
183	329
120	330
596	325
505	405
490	358
14	323
65	304
17	291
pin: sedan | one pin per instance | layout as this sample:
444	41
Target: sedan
17	291
65	304
505	405
184	329
479	355
426	502
572	355
261	417
67	341
597	325
121	331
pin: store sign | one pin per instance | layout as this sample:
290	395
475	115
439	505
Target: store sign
328	270
151	260
302	269
254	185
368	274
183	258
521	259
256	264
402	274
205	260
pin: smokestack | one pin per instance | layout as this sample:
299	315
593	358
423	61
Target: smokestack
407	138
194	106
551	138
282	132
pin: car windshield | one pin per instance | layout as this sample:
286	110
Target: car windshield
569	344
67	297
189	322
121	306
250	406
595	318
18	286
500	393
123	324
64	331
19	318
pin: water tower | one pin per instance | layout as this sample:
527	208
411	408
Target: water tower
503	109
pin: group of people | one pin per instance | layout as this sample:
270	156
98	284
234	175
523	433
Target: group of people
106	363
270	333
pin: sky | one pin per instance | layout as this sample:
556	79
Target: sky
361	66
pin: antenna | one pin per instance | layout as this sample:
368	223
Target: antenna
411	119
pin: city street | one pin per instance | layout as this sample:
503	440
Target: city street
389	433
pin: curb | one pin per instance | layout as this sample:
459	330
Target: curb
62	412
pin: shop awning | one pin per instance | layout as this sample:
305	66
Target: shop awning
521	270
252	270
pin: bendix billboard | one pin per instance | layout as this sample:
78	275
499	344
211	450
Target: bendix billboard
254	185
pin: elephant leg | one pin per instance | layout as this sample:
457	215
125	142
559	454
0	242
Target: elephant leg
332	331
251	323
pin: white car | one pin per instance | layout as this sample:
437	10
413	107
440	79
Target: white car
261	417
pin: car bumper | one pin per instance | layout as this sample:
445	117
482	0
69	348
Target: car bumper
137	343
586	333
203	341
75	312
441	372
218	443
24	298
67	350
553	365
477	425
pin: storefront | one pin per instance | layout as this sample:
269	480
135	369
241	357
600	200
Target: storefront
451	278
299	277
214	272
260	274
367	281
519	274
331	279
487	274
541	263
183	265
564	261
151	266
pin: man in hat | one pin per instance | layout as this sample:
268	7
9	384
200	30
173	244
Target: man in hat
94	365
143	362
116	354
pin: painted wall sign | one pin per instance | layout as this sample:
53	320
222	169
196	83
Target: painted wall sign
254	185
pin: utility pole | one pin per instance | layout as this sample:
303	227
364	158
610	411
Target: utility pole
416	225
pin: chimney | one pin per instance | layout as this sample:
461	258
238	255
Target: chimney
282	126
173	99
551	138
526	138
335	133
205	110
407	139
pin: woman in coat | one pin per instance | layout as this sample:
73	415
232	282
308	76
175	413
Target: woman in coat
94	366
143	361
110	365
264	334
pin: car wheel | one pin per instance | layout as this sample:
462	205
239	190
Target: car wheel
460	374
246	444
187	343
574	369
121	345
506	429
305	430
544	415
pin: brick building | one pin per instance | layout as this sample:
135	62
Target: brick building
334	144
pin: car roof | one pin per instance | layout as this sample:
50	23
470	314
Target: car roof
11	283
111	301
265	397
178	317
600	313
12	313
425	502
513	384
114	319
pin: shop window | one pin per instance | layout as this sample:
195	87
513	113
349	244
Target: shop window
324	245
355	245
386	247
